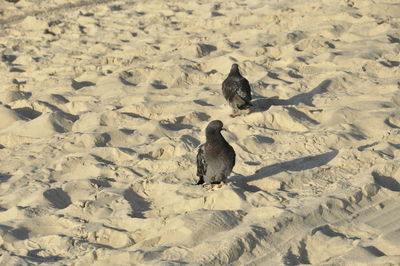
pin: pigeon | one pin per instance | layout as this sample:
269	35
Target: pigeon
237	91
215	158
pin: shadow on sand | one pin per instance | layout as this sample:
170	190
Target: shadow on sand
262	104
296	165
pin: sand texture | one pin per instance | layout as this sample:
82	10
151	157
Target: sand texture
104	103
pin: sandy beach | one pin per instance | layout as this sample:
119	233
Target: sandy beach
104	103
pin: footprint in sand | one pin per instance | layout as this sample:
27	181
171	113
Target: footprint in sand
58	198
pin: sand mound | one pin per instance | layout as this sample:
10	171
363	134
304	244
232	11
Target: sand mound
45	125
9	96
8	117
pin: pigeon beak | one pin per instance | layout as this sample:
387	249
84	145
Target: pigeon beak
224	129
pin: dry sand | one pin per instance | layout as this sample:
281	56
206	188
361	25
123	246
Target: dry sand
105	102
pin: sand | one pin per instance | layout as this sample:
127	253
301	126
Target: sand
104	103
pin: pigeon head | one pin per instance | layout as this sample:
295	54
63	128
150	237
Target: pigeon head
214	128
234	69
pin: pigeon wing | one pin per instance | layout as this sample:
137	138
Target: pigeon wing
201	164
231	158
244	90
229	88
237	90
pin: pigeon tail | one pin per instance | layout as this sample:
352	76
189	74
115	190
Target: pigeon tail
201	181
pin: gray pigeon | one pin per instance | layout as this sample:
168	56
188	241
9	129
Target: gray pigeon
237	91
215	158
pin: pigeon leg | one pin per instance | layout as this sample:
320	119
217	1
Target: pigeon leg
223	184
208	187
234	114
216	187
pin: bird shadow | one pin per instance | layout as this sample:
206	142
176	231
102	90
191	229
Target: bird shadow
296	165
262	104
77	85
276	76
